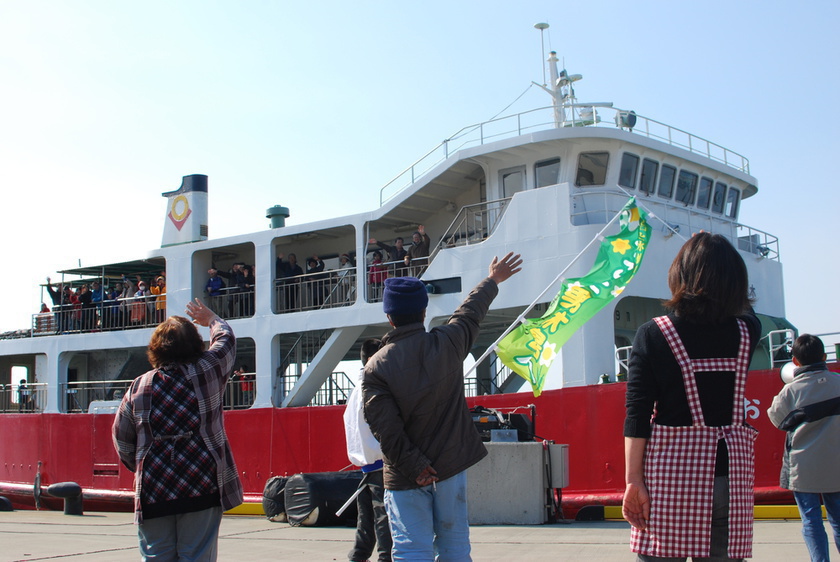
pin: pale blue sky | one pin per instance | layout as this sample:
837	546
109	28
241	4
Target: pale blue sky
104	105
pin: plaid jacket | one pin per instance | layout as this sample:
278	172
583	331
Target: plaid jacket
132	434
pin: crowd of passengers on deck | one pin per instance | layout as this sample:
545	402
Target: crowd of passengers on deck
93	306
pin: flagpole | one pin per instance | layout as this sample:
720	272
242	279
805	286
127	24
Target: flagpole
559	276
653	215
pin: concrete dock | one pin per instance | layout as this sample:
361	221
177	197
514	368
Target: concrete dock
49	535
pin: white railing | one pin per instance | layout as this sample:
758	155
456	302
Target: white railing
622	357
314	291
831	341
600	206
232	303
543	118
29	398
120	314
779	344
474	223
335	390
78	397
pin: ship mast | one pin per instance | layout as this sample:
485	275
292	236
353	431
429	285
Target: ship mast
562	91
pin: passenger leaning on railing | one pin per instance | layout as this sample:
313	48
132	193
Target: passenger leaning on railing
377	273
159	291
346	281
138	312
61	305
315	278
418	253
396	253
248	282
25	401
213	290
288	278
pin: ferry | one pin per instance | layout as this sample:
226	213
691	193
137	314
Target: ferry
544	183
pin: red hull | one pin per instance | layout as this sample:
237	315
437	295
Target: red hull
275	441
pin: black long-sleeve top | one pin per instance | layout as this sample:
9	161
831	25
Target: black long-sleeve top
654	376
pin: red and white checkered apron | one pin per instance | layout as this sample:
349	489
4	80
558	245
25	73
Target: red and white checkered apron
680	466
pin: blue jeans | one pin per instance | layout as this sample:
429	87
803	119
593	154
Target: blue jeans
183	537
813	530
431	523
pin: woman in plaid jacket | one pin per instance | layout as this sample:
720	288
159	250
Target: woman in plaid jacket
169	431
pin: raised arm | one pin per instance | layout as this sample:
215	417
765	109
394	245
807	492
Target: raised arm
199	313
504	269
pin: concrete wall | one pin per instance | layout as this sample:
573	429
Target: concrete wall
508	487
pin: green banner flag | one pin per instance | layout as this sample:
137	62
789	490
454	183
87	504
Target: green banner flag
532	346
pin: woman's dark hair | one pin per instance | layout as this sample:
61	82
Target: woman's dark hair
369	347
175	340
808	349
708	280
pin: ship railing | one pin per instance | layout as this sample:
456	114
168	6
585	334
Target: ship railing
84	396
600	206
313	291
622	357
377	273
77	396
474	386
120	314
779	345
503	380
831	341
757	242
673	136
473	224
240	391
335	390
29	398
544	118
297	358
232	302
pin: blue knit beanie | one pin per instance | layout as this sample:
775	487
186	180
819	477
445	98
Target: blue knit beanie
404	296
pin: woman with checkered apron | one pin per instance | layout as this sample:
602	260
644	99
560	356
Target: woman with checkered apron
688	452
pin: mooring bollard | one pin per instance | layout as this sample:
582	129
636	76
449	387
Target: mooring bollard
72	495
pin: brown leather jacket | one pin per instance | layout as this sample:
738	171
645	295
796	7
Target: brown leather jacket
413	392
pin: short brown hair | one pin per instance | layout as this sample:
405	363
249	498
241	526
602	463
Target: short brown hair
175	340
708	280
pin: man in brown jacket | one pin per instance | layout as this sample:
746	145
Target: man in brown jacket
413	392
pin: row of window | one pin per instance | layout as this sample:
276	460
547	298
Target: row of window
665	181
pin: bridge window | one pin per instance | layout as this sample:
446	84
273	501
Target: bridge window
629	170
704	192
592	168
732	200
686	187
547	172
513	180
647	184
666	181
719	197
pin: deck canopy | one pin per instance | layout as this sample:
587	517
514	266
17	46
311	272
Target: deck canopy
145	268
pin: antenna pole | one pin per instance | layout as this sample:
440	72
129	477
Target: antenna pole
542	27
